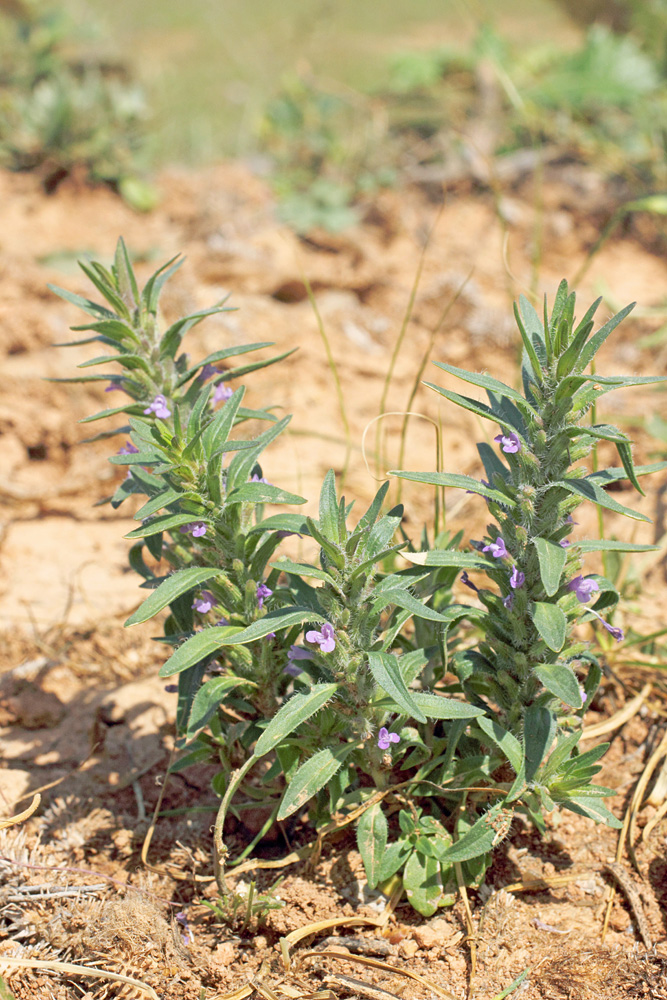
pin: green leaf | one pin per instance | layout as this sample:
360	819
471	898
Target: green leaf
208	698
604	476
435	706
394	858
159	502
92	308
171	588
447	557
421	880
165	523
481	837
503	739
155	283
386	671
597	340
487	382
278	619
328	512
539	729
552	559
551	623
589	490
261	493
282	522
310	777
303	569
372	833
217	432
611	545
528	346
404	599
560	680
290	716
198	647
593	809
457	481
479	409
534	328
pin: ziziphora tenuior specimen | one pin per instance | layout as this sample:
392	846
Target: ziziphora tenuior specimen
368	696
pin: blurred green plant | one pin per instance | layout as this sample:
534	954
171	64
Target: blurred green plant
65	109
328	147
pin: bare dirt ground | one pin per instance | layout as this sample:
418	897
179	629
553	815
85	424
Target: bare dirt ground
82	714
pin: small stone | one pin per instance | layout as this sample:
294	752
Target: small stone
408	949
426	937
260	943
224	954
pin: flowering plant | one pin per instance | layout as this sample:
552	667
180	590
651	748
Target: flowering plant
389	712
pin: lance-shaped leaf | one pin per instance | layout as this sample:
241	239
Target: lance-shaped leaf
552	561
435	706
503	739
310	777
215	435
222	355
589	351
295	524
476	407
448	557
611	545
304	569
92	308
208	698
372	831
198	647
561	681
489	383
457	481
279	619
589	490
592	808
551	623
539	730
158	503
404	599
604	476
481	837
128	408
171	588
261	493
422	883
292	714
529	347
165	523
387	672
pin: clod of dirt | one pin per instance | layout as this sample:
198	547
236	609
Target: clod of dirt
31	707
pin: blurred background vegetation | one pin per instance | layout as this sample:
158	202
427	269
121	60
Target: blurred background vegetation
332	99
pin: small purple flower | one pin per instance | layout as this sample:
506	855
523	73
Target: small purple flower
128	449
287	534
204	602
497	548
517	578
196	528
510	443
159	407
508	601
222	392
206	372
467	582
220	621
263	592
171	688
326	639
584	587
385	738
296	653
570	520
565	543
617	633
188	936
259	479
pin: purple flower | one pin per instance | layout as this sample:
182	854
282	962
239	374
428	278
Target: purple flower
497	548
196	528
326	639
262	593
287	534
584	587
617	633
204	602
385	738
128	449
206	372
510	443
159	407
171	688
467	582
565	544
517	578
222	392
259	479
188	936
296	653
508	601
570	520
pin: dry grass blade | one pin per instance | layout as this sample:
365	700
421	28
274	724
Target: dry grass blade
263	991
363	989
632	895
650	826
638	796
78	970
21	817
619	718
324	925
545	882
377	964
240	993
